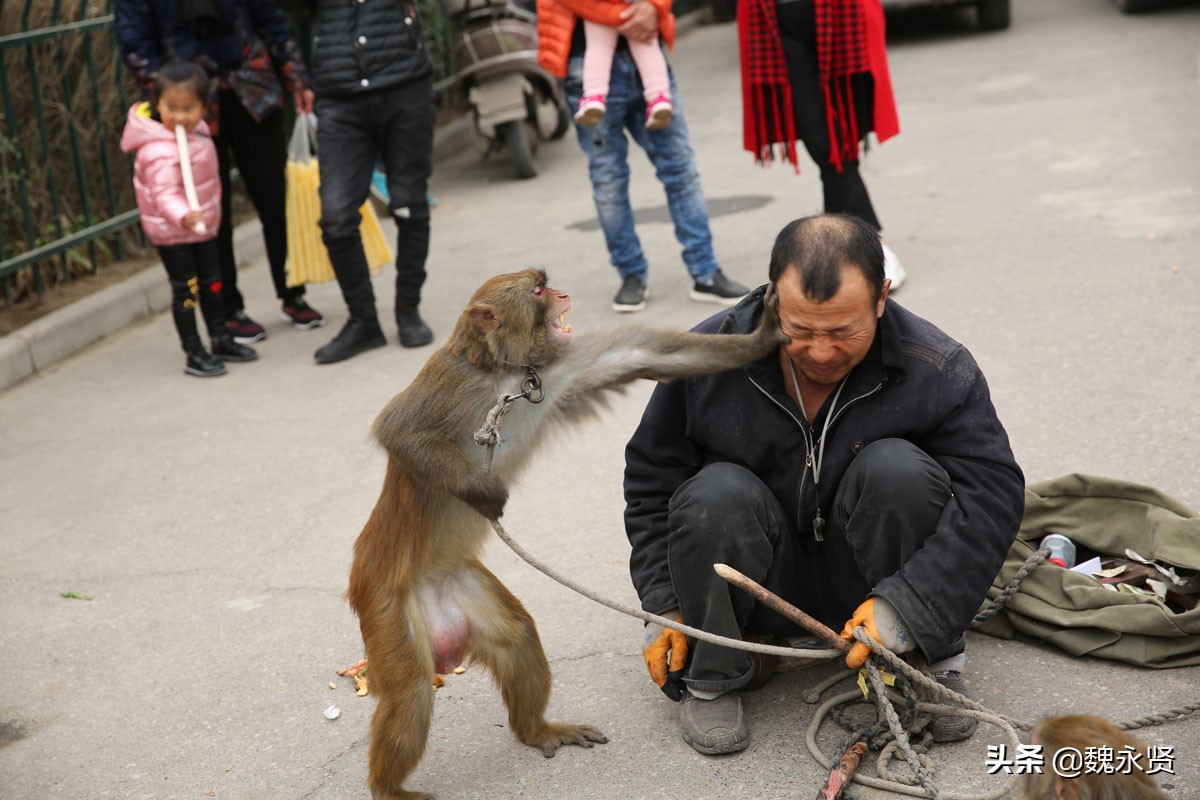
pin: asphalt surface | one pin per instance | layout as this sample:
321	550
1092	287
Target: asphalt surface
1043	196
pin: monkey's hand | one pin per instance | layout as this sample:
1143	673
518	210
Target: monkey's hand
488	495
769	329
665	652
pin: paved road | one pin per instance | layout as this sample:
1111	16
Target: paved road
1043	196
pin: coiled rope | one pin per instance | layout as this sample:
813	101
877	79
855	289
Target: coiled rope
488	436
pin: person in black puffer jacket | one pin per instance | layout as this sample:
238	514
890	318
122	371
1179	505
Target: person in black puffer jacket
374	86
860	473
247	50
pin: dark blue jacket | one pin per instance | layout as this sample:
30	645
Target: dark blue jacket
916	383
252	50
366	45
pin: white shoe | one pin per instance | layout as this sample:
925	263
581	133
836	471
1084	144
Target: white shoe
893	269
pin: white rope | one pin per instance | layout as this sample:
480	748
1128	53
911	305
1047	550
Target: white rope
488	436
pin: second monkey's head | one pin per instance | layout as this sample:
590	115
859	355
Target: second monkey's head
516	319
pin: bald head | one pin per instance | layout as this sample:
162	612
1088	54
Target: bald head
817	248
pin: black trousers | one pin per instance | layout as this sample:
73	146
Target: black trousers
844	190
394	125
259	150
195	278
887	504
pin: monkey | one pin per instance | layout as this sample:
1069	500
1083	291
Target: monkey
1077	734
424	600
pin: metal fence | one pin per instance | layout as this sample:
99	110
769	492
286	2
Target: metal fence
65	186
66	196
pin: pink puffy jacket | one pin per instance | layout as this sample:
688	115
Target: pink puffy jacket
159	183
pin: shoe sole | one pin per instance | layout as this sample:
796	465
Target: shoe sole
629	308
590	118
424	340
717	750
362	348
236	359
708	297
199	373
255	339
300	326
658	120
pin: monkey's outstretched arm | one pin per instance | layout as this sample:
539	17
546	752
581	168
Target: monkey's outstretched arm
623	355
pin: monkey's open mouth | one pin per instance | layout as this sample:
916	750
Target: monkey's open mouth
560	326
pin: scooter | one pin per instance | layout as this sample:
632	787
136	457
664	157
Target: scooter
517	104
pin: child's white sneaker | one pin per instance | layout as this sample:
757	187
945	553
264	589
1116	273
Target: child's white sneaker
591	109
658	113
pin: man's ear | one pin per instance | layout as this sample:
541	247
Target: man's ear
483	317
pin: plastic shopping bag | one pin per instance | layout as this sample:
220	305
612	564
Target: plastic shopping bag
308	260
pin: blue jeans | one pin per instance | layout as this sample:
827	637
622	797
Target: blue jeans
607	149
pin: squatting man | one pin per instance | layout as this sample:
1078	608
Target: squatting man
860	473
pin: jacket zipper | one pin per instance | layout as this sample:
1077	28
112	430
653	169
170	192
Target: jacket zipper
808	432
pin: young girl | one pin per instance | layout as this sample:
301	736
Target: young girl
184	236
597	67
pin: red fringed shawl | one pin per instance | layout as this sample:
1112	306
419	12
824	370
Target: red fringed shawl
851	39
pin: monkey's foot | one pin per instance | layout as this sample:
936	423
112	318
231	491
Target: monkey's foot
438	681
554	735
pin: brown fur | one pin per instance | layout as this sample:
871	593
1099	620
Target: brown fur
1081	732
422	597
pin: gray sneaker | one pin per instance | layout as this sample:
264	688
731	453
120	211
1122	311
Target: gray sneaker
632	296
949	727
719	290
714	727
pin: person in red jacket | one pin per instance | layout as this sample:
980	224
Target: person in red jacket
597	69
816	70
182	227
561	51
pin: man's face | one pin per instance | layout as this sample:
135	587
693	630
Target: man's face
829	339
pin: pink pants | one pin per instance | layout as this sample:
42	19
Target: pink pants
598	56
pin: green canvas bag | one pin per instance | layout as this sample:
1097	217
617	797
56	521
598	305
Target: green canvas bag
1076	613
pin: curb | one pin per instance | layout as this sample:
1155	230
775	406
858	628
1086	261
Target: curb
61	333
30	349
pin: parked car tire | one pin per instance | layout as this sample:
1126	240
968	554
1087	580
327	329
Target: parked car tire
996	15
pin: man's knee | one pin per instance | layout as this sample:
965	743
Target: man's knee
892	471
339	224
723	500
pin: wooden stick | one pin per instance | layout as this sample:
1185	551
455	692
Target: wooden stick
776	603
842	772
189	182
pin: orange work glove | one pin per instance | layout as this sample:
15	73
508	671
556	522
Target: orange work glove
883	624
665	652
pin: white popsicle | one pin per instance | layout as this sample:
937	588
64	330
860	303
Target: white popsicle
189	183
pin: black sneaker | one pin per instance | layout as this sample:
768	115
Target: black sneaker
950	727
226	348
720	290
301	315
202	364
632	296
356	336
245	330
413	330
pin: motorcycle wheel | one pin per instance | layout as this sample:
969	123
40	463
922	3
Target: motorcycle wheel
521	142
